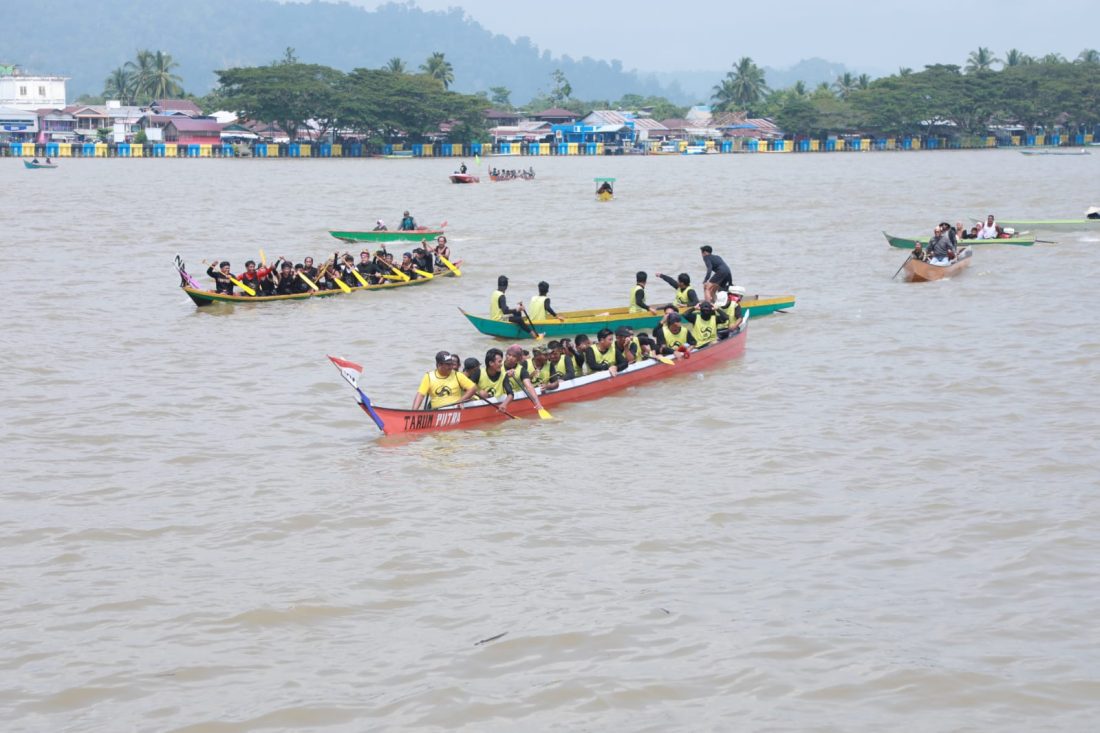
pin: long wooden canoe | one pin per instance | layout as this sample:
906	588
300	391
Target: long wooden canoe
910	242
1047	225
393	421
203	297
921	271
31	165
592	320
387	236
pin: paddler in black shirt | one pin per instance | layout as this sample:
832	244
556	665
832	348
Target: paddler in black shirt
671	334
604	356
222	283
310	270
705	323
685	294
561	361
287	282
637	295
499	310
718	275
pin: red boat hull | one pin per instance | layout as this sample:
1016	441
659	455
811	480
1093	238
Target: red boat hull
396	422
464	178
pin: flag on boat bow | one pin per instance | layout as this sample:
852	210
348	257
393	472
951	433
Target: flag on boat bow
350	371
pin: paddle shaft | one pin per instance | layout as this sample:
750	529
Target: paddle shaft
903	264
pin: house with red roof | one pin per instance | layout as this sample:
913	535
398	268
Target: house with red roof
176	106
187	131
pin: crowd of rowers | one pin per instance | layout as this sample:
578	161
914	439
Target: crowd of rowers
686	324
508	175
284	278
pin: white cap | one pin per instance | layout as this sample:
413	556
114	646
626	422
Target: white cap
736	290
722	300
1009	230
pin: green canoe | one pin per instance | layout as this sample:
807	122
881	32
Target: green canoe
911	242
1051	224
591	321
387	236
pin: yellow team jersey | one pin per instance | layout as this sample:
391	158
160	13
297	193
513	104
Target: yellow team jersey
492	387
673	340
442	391
705	330
537	309
634	307
494	305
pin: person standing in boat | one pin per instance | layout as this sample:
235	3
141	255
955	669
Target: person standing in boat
718	275
499	310
462	168
443	386
540	309
408	224
685	294
637	295
221	277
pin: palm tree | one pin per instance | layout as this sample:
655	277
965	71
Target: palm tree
1053	58
863	81
845	85
140	70
743	87
1016	57
395	66
1089	56
119	85
904	71
799	89
981	60
162	81
439	68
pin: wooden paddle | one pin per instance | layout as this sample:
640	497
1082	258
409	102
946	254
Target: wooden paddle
307	281
362	280
538	336
903	264
449	266
544	414
396	270
423	274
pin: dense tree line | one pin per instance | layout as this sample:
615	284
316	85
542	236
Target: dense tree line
1031	92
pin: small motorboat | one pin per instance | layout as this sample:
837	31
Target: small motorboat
464	178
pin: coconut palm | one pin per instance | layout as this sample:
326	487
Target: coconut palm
1053	58
119	85
140	70
1089	56
395	66
1016	57
981	60
439	68
743	87
904	71
845	85
799	89
162	81
863	81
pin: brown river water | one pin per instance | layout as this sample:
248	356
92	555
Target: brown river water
886	516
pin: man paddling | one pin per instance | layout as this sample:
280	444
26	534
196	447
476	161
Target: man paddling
499	310
718	275
444	386
941	250
540	309
518	374
604	356
222	278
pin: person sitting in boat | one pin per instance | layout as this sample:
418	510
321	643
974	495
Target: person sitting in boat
221	276
442	251
499	310
366	267
731	306
718	275
685	294
286	283
604	188
522	378
989	229
491	379
407	266
705	322
34	161
539	369
347	270
380	226
561	361
637	295
629	345
604	355
670	334
300	275
309	269
462	168
540	309
408	224
972	233
444	386
1093	212
941	250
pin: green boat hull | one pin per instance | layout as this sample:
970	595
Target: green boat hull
591	321
1052	224
911	242
413	236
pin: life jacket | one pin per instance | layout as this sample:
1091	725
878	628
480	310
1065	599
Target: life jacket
561	368
672	340
538	376
731	313
493	387
682	295
609	358
443	391
495	312
634	307
537	311
705	330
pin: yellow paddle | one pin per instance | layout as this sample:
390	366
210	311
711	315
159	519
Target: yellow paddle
421	273
262	258
307	281
452	268
237	282
343	285
664	359
397	271
362	280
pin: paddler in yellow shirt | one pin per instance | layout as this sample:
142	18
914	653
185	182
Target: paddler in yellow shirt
539	309
637	295
444	385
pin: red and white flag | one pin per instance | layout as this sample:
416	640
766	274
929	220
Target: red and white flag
349	370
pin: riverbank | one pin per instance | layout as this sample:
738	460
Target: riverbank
527	149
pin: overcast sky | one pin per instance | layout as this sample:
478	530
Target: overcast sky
873	37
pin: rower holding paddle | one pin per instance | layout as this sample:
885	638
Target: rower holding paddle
540	309
521	377
499	310
223	280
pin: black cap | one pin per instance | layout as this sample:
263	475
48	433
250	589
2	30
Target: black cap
442	357
623	331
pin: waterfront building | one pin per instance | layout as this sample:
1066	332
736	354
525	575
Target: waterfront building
30	92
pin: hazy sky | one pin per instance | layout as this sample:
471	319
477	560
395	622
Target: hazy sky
873	37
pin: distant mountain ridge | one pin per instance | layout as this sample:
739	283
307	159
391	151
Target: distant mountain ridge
87	39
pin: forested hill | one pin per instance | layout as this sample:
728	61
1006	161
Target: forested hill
86	39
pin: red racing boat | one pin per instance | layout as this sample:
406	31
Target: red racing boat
465	178
394	421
